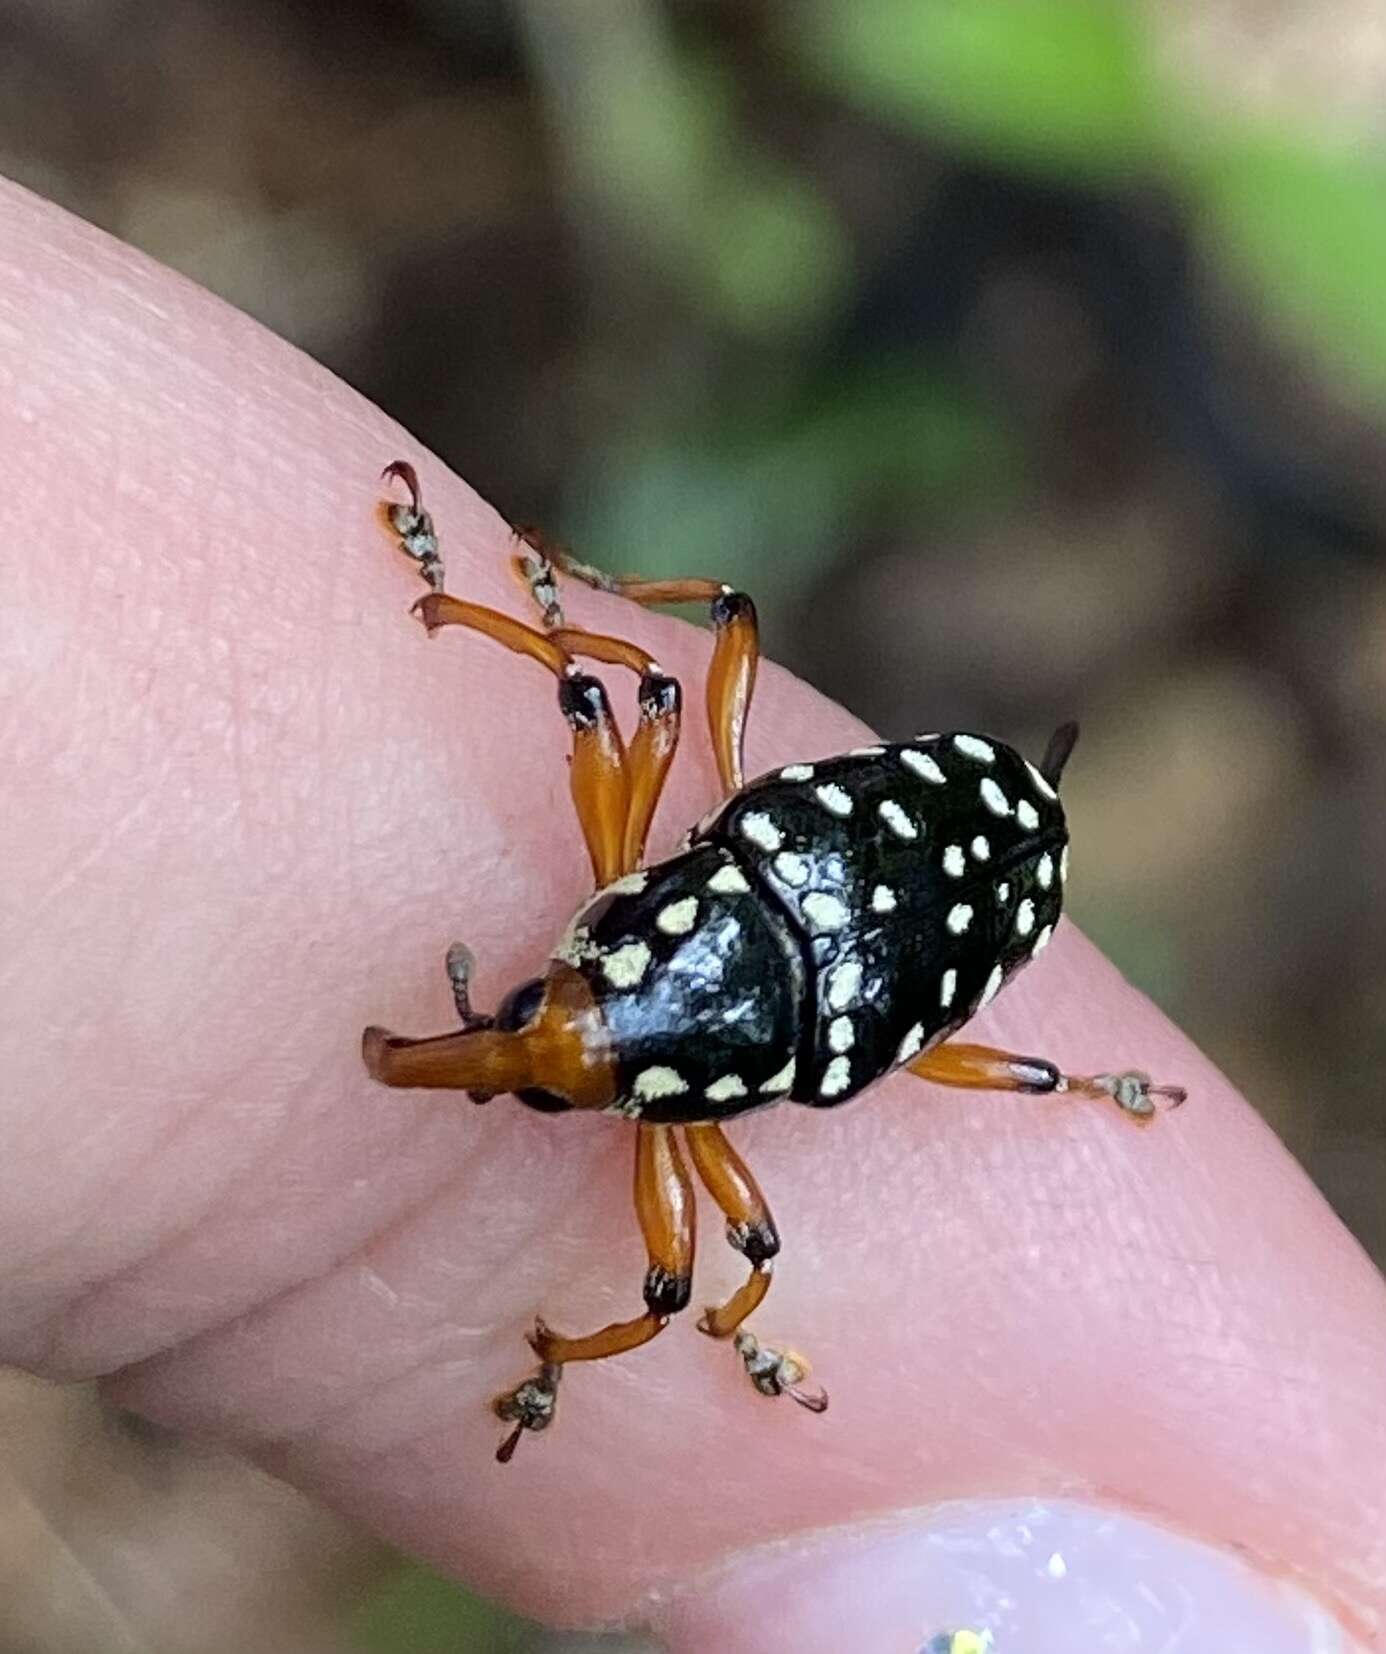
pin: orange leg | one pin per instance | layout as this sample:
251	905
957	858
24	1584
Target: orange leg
980	1068
661	704
731	677
750	1227
665	1208
751	1230
599	779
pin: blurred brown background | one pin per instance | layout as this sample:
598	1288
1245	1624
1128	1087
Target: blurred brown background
1026	362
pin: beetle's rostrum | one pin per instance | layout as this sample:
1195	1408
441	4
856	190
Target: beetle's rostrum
826	924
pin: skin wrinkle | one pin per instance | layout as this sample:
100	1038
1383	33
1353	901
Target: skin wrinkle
52	1355
920	1274
257	1321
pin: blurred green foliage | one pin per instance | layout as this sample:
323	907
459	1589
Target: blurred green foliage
1070	88
1305	228
773	485
1068	91
1060	86
421	1613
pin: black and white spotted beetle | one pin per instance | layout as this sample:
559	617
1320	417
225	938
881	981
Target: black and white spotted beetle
825	925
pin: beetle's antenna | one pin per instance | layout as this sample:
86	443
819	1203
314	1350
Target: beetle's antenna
1058	752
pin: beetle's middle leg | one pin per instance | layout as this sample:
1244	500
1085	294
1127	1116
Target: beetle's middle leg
664	1205
980	1068
751	1231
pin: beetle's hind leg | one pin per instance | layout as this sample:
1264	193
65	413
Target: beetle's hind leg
980	1068
665	1208
751	1231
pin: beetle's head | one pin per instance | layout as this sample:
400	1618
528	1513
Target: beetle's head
547	1044
523	1009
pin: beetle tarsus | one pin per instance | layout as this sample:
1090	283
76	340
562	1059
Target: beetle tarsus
778	1372
1133	1092
417	537
536	569
529	1406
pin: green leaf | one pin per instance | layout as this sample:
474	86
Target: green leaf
418	1612
1060	85
1307	228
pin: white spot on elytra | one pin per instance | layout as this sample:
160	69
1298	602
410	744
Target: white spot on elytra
837	1076
1027	815
625	967
1025	917
824	912
844	983
841	1034
577	946
729	881
973	746
833	799
1046	791
954	864
652	1083
723	1090
761	831
959	918
1063	865
796	772
994	799
679	917
912	1044
981	848
629	885
922	765
1003	892
866	752
883	899
896	819
794	870
992	988
779	1083
947	987
1045	871
1042	941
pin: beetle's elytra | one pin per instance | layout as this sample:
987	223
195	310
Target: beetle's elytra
826	924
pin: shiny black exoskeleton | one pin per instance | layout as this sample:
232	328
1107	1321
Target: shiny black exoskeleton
829	923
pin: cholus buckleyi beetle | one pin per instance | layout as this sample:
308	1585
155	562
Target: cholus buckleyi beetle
823	926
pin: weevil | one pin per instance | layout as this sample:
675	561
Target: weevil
823	926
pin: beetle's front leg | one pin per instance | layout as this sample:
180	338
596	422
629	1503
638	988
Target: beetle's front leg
980	1068
665	1207
751	1230
731	678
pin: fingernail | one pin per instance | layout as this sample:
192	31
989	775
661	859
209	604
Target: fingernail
1004	1577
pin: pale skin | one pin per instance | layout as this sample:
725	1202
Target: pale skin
248	805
